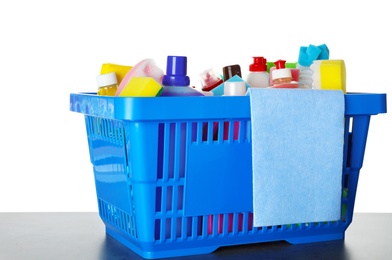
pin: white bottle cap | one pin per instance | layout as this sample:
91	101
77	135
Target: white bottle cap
281	73
234	88
107	79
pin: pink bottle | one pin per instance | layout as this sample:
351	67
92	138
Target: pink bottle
294	73
282	77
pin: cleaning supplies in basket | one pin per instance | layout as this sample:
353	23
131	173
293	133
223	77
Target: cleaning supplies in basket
258	77
120	70
307	55
141	87
209	80
329	75
282	77
144	68
107	84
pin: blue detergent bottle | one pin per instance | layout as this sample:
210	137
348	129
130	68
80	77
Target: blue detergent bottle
176	82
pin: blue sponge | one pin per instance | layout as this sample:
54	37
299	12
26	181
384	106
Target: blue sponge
324	55
309	54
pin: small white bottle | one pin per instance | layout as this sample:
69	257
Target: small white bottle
258	77
234	88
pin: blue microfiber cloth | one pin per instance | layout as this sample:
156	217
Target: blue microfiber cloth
297	155
311	53
219	90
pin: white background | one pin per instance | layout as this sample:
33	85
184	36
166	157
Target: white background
49	49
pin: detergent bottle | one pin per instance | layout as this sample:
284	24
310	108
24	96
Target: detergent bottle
176	82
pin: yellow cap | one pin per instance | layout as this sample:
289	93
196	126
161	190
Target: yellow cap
120	70
333	75
141	87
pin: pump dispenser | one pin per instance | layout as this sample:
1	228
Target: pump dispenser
258	77
176	82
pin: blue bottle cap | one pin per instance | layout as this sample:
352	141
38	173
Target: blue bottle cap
176	70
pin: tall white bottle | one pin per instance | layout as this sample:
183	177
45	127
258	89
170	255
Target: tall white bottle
258	77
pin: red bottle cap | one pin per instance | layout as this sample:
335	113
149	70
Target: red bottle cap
280	70
280	64
259	64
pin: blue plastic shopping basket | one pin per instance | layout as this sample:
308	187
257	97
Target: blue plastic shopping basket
150	155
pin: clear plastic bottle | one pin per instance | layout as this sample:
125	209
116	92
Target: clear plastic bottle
107	84
209	80
258	77
176	82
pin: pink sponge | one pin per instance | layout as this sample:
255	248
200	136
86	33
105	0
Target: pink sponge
145	68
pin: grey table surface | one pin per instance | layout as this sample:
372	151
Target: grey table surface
82	236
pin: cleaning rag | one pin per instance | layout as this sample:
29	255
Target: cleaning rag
297	155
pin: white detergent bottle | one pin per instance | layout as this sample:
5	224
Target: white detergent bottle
258	77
